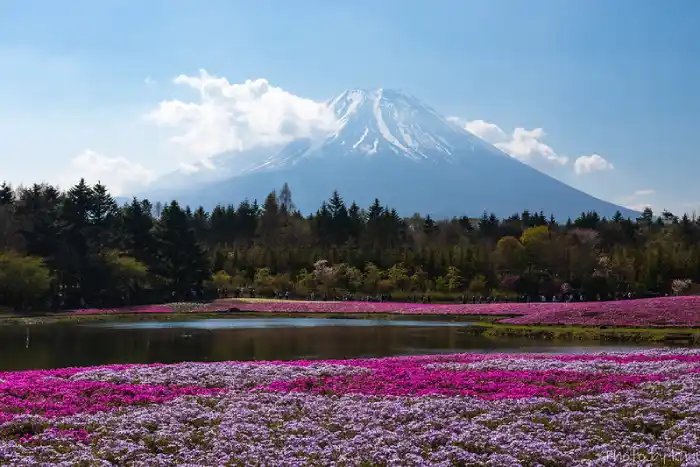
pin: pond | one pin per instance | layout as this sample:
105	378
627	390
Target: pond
66	345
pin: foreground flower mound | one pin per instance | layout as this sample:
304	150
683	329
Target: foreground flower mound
498	410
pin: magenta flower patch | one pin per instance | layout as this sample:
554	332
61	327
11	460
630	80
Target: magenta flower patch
52	394
126	309
466	409
655	312
409	377
667	311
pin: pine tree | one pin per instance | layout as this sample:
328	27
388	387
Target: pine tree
375	211
38	216
466	224
356	221
285	199
375	227
75	215
340	224
246	220
269	227
137	222
429	226
647	217
7	194
180	259
323	224
103	217
200	222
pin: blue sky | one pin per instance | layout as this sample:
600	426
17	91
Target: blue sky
613	78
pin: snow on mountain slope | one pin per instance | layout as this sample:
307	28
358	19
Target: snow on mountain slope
370	122
386	144
394	120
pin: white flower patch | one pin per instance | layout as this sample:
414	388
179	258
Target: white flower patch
590	366
216	375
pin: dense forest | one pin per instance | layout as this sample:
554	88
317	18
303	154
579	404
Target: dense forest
80	248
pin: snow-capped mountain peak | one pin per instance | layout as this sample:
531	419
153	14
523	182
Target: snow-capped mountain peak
393	121
371	123
386	143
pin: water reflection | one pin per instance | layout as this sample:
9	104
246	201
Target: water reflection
262	323
56	346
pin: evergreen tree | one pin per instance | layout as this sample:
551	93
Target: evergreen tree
429	226
99	254
180	259
103	218
285	199
647	217
7	194
375	211
73	253
270	220
323	224
200	223
356	222
137	222
340	226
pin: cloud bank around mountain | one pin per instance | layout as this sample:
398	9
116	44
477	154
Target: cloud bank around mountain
119	174
525	145
237	117
233	118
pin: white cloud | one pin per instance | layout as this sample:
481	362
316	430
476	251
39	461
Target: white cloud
487	131
643	193
188	168
237	117
592	163
117	173
148	81
524	145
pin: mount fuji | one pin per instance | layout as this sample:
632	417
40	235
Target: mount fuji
387	145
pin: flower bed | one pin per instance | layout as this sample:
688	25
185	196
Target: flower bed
656	312
667	311
127	309
466	409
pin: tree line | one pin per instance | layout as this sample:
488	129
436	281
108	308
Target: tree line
73	248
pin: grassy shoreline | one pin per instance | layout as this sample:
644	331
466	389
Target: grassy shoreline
479	325
665	335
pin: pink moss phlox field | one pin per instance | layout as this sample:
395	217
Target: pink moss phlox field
605	409
126	309
665	311
53	394
653	312
412	380
476	375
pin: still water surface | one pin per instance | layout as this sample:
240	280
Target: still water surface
65	345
